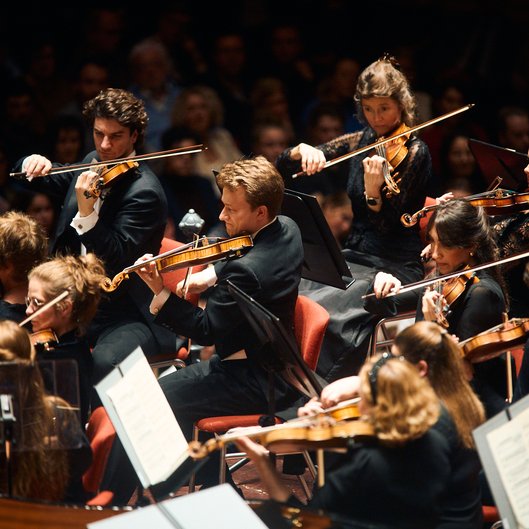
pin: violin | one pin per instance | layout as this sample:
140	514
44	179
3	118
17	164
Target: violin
426	282
490	343
44	340
186	256
397	135
451	290
107	176
300	434
496	202
394	152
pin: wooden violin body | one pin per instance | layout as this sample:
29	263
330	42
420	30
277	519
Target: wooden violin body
186	256
497	202
495	341
44	340
394	152
107	177
320	431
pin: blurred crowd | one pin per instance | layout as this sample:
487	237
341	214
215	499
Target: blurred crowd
246	78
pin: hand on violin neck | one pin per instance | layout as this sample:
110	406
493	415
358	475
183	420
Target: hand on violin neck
85	197
432	304
149	273
373	174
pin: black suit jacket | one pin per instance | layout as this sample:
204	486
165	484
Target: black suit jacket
270	272
131	223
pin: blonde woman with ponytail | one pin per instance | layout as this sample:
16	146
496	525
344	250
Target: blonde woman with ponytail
70	317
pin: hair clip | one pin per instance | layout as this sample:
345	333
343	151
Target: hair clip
374	373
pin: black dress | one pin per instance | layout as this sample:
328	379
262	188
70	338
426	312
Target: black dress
395	486
478	308
377	241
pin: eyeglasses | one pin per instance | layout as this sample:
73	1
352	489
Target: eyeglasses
37	303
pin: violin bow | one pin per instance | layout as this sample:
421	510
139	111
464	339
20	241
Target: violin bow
110	163
44	307
378	143
428	282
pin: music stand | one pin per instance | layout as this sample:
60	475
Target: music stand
495	161
323	260
287	360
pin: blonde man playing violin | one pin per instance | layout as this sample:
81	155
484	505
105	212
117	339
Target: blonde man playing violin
119	224
234	380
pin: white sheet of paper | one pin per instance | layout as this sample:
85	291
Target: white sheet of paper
509	445
149	421
218	507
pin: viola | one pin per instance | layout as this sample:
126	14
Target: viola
186	256
107	176
496	202
315	433
394	152
44	340
490	343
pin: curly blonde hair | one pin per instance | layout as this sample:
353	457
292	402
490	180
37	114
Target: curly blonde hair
383	79
81	276
405	406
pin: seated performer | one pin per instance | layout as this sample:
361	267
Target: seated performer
121	222
50	461
460	236
399	476
377	240
22	246
70	317
233	381
438	358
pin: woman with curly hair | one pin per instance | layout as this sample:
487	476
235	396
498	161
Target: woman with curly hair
81	277
399	476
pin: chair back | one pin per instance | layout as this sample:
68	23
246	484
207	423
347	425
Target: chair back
101	433
310	324
423	222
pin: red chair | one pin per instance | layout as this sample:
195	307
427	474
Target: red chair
101	433
310	324
171	280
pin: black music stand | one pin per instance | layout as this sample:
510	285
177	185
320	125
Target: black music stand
495	161
323	260
282	352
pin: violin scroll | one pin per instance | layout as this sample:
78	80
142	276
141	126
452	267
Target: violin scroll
107	176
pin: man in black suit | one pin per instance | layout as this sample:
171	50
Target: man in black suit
234	380
119	223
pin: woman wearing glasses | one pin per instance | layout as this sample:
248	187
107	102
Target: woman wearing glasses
68	319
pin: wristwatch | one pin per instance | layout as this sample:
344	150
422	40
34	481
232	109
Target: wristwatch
372	201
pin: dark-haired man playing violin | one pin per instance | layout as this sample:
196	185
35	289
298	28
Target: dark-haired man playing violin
126	221
233	381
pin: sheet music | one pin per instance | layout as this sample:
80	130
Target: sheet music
509	445
148	420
